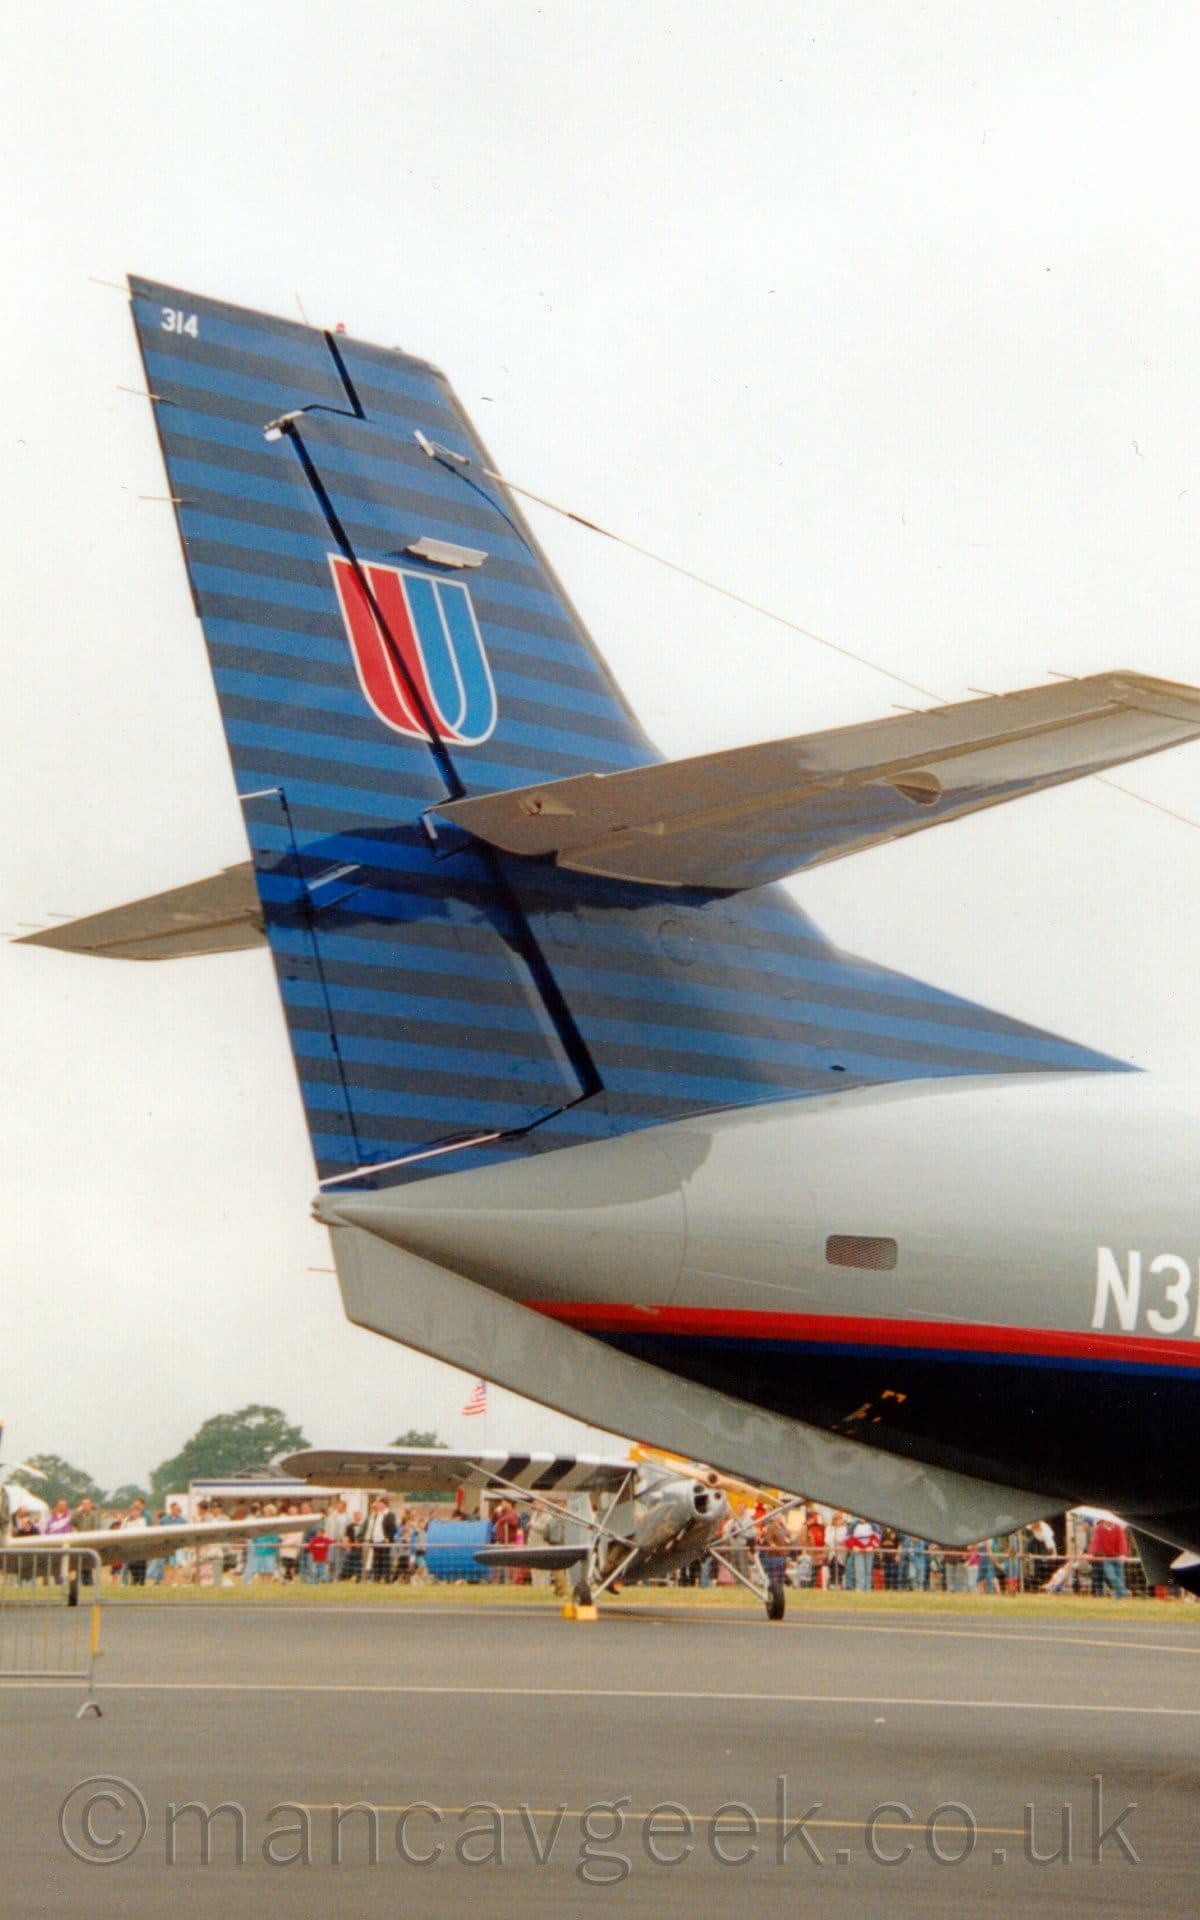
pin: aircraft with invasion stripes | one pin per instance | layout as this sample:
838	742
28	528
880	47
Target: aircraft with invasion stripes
598	1111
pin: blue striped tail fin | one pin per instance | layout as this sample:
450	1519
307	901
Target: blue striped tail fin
386	634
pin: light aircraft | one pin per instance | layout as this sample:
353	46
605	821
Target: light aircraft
598	1111
649	1519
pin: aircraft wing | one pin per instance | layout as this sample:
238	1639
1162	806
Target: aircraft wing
219	915
420	1470
151	1543
740	818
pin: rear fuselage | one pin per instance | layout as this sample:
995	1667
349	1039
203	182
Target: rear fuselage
997	1275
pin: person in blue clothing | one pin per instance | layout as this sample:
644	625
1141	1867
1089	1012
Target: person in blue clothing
173	1517
262	1553
914	1564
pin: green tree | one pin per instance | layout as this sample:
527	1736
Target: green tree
125	1496
60	1480
228	1443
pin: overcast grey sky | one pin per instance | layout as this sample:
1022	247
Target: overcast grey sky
885	314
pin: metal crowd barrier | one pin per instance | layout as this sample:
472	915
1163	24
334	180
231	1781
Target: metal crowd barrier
44	1634
917	1569
921	1568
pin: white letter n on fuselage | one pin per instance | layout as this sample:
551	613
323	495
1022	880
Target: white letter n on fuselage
1111	1284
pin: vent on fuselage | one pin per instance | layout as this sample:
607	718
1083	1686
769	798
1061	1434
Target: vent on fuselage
861	1250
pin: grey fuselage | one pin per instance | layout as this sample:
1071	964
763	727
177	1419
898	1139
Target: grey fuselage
996	1275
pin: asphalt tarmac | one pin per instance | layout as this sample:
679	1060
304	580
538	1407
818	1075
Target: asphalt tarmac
853	1763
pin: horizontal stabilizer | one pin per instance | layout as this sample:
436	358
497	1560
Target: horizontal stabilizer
548	1559
218	915
1185	1572
741	818
1156	1557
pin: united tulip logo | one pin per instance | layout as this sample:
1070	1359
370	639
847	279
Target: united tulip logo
418	651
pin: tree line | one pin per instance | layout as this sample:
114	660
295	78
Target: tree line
226	1444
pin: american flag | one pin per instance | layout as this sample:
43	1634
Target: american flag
476	1401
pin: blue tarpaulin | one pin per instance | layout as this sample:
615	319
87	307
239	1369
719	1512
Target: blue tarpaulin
451	1546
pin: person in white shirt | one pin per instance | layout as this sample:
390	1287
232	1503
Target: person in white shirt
336	1522
290	1546
134	1521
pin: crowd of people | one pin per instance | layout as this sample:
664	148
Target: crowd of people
837	1550
379	1540
382	1544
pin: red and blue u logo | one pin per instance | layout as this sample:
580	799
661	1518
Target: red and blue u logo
418	651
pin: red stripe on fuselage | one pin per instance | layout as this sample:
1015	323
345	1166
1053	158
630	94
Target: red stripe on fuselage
910	1336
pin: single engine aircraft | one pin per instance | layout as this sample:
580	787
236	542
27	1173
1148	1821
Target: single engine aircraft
598	1111
648	1520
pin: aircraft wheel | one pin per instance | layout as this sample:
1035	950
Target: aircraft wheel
776	1602
582	1595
